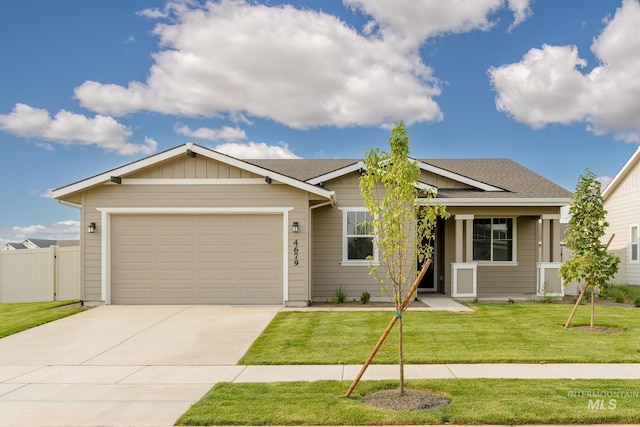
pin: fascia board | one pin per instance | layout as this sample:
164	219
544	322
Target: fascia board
503	202
337	173
633	160
456	177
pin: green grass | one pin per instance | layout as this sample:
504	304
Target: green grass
493	333
477	401
17	317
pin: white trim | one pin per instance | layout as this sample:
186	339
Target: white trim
621	174
193	181
424	166
455	266
459	217
181	151
456	177
337	173
106	213
514	245
504	202
542	266
637	243
550	216
345	247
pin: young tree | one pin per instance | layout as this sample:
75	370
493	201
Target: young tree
589	259
389	191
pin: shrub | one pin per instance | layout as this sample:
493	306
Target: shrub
365	297
636	302
340	296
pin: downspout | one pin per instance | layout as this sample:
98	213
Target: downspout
311	208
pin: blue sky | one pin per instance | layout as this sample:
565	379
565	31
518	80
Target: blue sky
89	86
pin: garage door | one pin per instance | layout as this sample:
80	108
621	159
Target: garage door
196	259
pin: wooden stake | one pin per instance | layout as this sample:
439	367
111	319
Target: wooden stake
586	285
403	307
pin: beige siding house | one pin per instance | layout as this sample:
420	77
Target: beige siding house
622	203
191	225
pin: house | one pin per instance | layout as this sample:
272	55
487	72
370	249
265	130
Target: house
191	225
621	200
38	244
45	243
12	246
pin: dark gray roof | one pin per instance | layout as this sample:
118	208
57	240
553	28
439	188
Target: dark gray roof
515	179
45	243
16	245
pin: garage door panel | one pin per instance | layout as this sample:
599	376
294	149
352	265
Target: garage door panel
230	259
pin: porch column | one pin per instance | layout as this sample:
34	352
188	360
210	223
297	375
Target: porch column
464	238
549	283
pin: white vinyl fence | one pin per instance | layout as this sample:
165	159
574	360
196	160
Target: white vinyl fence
49	274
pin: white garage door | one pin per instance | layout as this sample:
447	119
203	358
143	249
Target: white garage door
196	259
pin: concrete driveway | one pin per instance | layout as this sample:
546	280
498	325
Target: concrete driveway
123	365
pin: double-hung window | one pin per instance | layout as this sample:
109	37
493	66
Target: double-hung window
358	246
634	243
493	239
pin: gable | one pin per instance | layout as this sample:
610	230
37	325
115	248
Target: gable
628	178
187	168
179	164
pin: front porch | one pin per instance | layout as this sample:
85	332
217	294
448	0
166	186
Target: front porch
505	252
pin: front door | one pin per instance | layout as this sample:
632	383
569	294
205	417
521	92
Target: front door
430	282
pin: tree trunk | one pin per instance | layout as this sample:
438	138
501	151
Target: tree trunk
400	356
593	305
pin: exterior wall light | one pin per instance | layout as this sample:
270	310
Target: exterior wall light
295	227
91	228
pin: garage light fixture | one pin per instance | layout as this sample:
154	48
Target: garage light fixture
267	179
295	227
91	228
116	179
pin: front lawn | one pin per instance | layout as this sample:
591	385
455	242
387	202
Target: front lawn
17	317
523	333
473	401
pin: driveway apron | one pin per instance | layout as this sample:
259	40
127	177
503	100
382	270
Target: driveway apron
123	365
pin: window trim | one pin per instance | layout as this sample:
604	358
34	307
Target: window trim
514	248
345	245
637	243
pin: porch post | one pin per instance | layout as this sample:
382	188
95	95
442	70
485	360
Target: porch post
459	240
549	283
468	239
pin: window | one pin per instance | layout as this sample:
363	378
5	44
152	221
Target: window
634	243
358	247
493	239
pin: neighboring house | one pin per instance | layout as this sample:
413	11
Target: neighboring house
9	246
622	203
39	244
191	225
45	243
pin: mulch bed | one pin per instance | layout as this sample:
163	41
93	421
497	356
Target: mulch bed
411	400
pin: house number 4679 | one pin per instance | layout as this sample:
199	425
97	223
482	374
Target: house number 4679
295	252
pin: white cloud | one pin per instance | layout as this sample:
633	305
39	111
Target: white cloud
256	150
226	133
604	181
69	128
298	67
547	85
153	13
62	230
47	194
413	21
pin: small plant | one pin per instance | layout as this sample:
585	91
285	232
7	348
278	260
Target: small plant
511	300
546	298
636	302
340	296
365	297
475	300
